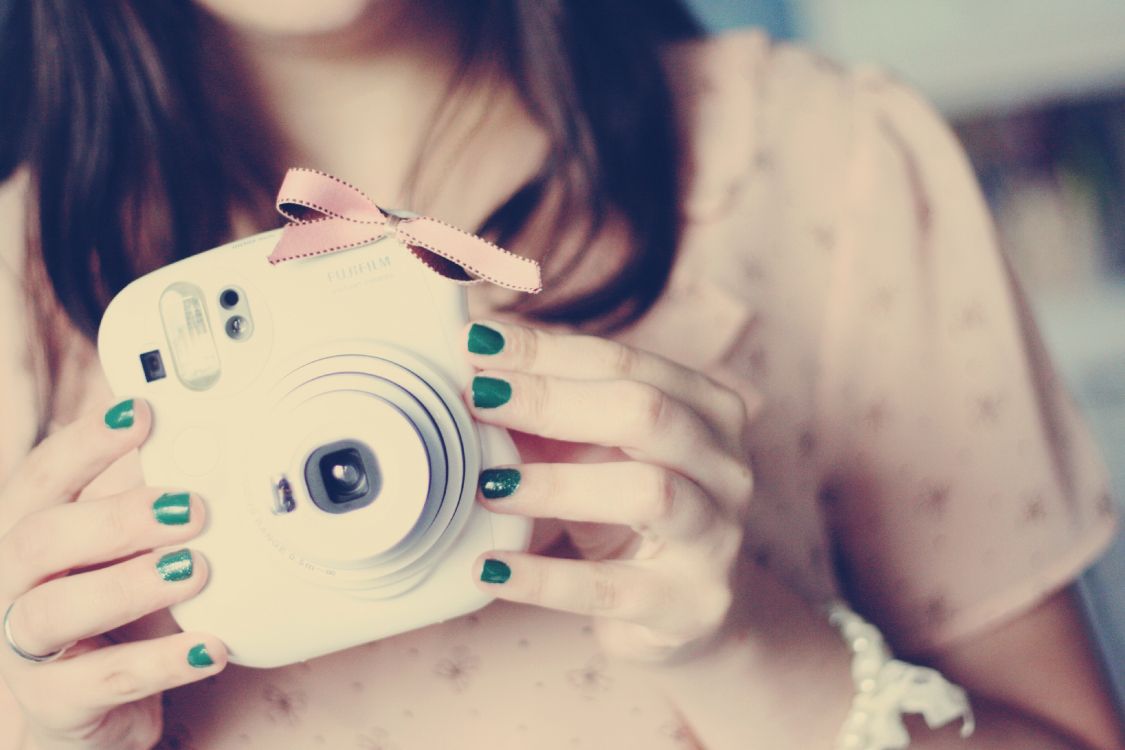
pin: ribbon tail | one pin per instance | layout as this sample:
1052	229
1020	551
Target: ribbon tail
321	237
477	257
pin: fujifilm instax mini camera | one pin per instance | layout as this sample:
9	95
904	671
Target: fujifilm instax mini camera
315	406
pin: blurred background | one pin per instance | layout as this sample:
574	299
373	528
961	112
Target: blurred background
1036	90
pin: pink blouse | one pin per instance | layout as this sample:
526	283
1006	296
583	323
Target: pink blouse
913	447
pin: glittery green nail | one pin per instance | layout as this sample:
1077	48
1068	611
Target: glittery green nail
495	571
175	566
485	340
198	657
488	393
172	508
496	483
120	416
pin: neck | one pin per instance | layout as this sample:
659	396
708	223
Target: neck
360	103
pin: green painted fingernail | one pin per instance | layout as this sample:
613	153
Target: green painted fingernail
120	416
485	340
495	571
172	508
175	566
488	393
496	483
198	657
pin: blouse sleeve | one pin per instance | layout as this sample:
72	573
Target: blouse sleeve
964	487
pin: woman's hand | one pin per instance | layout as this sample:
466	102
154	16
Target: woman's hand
72	571
658	524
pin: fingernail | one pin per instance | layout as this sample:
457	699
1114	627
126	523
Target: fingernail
495	571
172	508
485	340
488	393
198	657
496	483
175	566
120	416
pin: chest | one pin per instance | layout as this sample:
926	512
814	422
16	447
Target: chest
505	677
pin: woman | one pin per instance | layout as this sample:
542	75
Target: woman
796	275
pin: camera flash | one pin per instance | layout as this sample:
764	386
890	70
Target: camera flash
190	341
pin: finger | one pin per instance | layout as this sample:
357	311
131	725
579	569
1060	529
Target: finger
69	609
654	501
628	591
62	537
57	469
115	675
644	421
507	347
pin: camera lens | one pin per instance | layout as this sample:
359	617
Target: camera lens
342	476
229	298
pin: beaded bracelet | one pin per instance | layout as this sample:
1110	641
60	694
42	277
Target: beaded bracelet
887	688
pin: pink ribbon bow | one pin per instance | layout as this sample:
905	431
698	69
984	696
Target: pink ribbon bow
344	217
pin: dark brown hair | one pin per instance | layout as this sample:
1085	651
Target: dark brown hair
135	163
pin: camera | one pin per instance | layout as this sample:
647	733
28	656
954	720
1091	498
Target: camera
315	405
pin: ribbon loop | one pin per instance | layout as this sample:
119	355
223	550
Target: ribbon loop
327	214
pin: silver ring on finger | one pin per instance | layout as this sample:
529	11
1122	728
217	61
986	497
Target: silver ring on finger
37	658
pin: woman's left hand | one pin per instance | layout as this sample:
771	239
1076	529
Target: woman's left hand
660	526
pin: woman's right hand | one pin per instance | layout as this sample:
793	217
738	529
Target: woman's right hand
73	571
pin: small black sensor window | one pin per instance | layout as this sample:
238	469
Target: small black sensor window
153	365
229	298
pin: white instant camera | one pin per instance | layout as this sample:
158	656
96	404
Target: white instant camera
315	406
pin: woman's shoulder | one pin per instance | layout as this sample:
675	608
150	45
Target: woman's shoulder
754	109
